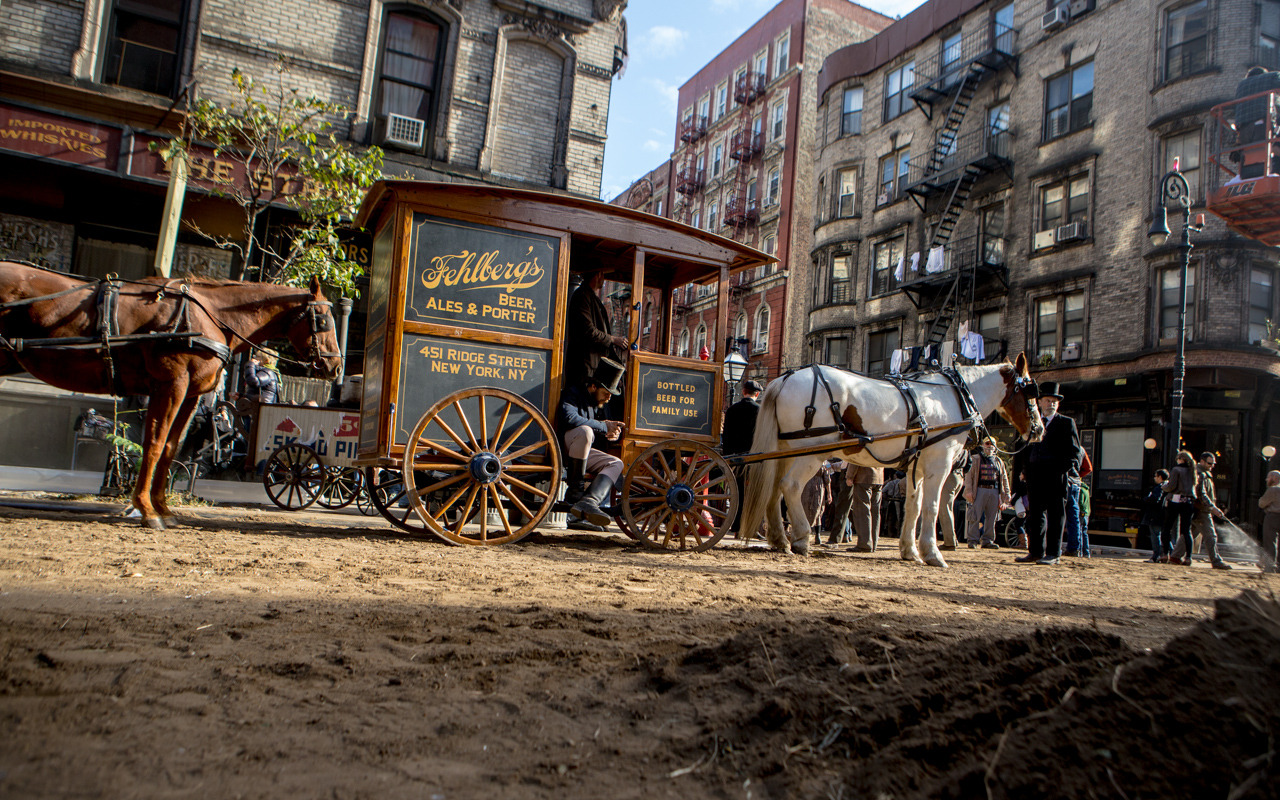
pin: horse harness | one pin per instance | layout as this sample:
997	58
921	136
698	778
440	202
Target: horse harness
918	434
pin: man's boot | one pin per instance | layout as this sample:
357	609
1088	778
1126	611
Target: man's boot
573	489
588	507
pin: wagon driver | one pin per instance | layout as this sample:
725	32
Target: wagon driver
589	335
583	417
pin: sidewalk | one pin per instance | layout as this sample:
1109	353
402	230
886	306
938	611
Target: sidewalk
83	482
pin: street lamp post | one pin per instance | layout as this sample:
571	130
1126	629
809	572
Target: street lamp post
1175	193
735	366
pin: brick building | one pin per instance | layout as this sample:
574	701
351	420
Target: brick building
507	92
741	161
994	165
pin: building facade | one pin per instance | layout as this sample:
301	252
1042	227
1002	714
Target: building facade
506	92
986	176
744	143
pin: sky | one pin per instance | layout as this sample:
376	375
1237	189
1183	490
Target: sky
669	41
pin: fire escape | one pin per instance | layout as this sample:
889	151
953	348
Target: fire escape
690	177
742	209
946	85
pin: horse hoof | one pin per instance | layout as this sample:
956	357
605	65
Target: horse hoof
170	521
154	523
936	561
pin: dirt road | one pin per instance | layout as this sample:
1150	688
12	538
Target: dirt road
261	654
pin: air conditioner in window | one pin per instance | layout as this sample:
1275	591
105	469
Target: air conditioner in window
1078	8
882	199
1044	239
1071	233
1071	351
1059	16
401	131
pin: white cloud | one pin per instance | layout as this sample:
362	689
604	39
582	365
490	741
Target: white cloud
665	41
669	93
652	145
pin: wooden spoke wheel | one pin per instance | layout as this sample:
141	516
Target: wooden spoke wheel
679	496
385	491
293	476
492	465
364	498
341	487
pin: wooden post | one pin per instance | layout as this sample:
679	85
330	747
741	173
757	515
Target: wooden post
172	219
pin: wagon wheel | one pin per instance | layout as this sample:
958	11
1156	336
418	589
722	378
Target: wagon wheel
340	488
385	489
508	465
364	498
293	476
679	495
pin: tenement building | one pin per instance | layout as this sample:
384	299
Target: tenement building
742	164
507	92
986	175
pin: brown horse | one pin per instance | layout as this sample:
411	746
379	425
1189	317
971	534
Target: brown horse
169	339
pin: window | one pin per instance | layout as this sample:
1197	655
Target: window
648	318
836	352
700	340
774	191
739	83
1068	101
950	53
722	100
886	257
1167	323
760	344
142	45
1262	305
1186	41
988	324
697	219
783	51
846	191
740	328
993	235
1184	148
851	121
897	85
717	158
770	244
779	121
751	193
1269	35
683	349
713	217
893	175
998	130
1065	202
704	109
411	54
1059	322
1004	31
762	65
838	279
880	347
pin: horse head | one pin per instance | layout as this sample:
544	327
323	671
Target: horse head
314	334
1018	407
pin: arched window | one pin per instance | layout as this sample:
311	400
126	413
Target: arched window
700	340
740	327
683	349
760	343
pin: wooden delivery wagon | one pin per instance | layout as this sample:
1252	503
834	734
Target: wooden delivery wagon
464	361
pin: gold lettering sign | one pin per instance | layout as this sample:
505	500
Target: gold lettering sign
471	270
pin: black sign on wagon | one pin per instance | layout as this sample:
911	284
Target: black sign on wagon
432	367
675	400
479	277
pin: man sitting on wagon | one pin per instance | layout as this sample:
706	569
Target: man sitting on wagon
582	417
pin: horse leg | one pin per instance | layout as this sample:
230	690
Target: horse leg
910	518
160	488
160	413
792	489
929	552
775	532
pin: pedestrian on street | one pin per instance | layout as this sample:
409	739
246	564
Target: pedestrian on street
1205	511
987	491
1153	518
1270	505
1047	464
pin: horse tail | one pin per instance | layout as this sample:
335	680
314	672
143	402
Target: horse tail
762	476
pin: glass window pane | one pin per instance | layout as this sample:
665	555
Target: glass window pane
1082	80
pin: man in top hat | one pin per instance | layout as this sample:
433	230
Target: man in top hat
1047	465
589	332
582	417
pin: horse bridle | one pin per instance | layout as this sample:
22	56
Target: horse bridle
1030	390
319	314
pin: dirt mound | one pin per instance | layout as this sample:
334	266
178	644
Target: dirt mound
1059	713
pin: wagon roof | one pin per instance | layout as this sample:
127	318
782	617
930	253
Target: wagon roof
602	233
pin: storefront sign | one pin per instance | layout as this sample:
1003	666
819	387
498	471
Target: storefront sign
481	277
73	141
1128	480
210	171
432	367
675	400
36	240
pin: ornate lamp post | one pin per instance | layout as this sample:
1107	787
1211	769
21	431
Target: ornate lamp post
1175	193
735	366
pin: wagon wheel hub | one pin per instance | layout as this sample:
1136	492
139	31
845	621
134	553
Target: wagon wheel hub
485	467
680	497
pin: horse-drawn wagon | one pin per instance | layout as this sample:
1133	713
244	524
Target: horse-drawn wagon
465	353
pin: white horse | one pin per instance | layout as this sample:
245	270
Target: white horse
878	410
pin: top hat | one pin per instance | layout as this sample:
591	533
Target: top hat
1050	389
609	374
